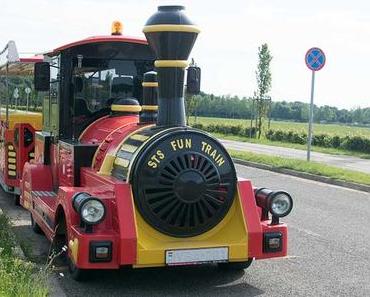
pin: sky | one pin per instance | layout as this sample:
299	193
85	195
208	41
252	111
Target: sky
226	49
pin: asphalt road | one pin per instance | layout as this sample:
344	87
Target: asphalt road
342	161
329	252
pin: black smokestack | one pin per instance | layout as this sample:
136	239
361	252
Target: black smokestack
171	35
150	98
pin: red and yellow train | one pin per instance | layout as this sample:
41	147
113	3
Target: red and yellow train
109	168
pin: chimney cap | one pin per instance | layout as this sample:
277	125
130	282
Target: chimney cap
169	15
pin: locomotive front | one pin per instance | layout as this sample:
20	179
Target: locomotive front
183	180
189	205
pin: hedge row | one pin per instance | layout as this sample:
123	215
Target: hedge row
227	129
352	143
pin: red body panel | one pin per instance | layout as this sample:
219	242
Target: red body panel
100	129
21	140
256	227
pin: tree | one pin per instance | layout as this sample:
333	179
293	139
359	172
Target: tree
263	75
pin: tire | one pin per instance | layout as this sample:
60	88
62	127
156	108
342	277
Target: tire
235	266
35	227
17	200
78	274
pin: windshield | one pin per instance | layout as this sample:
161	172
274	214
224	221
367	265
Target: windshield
97	83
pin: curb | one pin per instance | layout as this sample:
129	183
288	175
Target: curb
319	178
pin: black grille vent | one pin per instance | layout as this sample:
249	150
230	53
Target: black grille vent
189	194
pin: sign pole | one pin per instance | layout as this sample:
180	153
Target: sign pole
309	139
315	61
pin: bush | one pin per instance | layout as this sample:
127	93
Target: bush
227	129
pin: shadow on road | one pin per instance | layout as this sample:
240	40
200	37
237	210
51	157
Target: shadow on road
205	280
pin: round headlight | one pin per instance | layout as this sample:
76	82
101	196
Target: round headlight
91	209
280	204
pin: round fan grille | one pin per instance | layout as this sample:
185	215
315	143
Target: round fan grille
189	197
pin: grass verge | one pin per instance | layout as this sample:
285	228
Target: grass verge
304	166
18	277
331	151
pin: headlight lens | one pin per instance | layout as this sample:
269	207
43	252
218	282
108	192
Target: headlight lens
281	203
92	211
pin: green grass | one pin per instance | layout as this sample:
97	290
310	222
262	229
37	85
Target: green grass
18	277
340	130
333	129
304	166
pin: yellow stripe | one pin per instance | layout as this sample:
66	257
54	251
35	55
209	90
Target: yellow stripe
11	160
10	147
12	166
150	107
31	155
127	108
73	247
129	148
108	161
11	154
139	137
12	173
106	167
121	162
171	63
149	84
171	28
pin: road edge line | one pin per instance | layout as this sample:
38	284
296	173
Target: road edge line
305	175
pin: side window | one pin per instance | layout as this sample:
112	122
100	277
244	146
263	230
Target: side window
51	98
54	79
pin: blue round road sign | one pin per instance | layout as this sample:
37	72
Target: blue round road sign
315	59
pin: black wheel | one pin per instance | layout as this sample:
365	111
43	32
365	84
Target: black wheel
35	227
16	200
235	265
77	274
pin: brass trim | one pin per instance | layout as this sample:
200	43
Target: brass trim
150	84
150	107
126	108
171	63
171	28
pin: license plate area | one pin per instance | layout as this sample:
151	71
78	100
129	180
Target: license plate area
197	256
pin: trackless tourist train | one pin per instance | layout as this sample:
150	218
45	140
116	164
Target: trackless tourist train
95	146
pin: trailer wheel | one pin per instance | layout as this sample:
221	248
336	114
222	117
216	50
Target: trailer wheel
77	274
35	227
235	265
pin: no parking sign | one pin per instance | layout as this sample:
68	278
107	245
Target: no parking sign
315	59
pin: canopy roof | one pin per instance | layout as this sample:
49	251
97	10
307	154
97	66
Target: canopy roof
99	39
24	66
